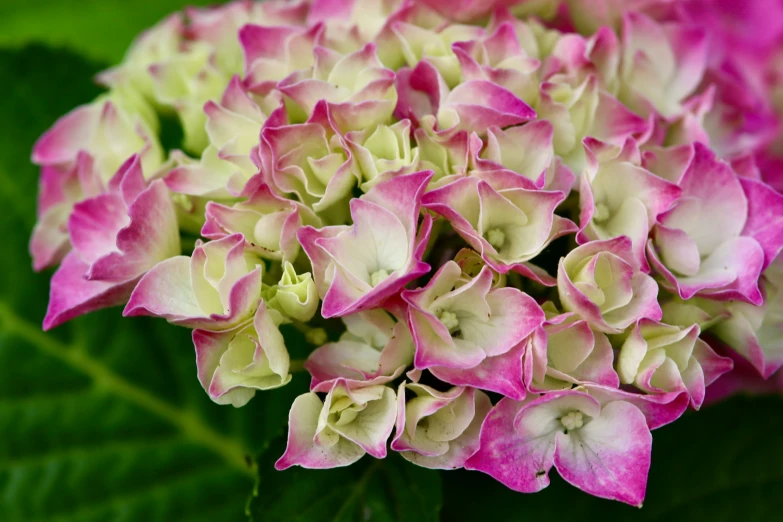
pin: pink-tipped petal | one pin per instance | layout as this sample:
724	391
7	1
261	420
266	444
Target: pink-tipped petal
608	457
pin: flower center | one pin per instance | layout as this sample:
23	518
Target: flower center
449	320
572	420
601	213
377	277
496	238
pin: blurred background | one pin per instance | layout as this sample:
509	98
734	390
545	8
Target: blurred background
103	419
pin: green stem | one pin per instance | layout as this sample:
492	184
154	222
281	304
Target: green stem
296	366
77	357
437	227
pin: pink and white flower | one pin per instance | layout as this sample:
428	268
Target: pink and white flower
358	267
233	127
185	82
383	152
110	130
380	136
751	331
116	236
566	351
233	364
218	288
600	281
525	150
720	236
375	349
218	25
311	160
447	156
351	21
661	358
439	430
234	124
507	57
268	223
661	64
415	43
473	106
601	448
357	88
60	188
341	429
578	109
506	221
459	325
471	10
618	197
272	52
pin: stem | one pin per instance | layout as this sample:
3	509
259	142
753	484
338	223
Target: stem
296	366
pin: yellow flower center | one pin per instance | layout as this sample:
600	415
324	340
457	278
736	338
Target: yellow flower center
572	420
378	276
449	320
601	213
496	238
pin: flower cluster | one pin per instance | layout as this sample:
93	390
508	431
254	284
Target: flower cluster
517	235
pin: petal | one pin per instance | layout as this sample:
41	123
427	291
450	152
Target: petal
401	195
72	294
513	316
677	250
690	44
610	456
526	150
765	218
373	425
302	450
151	236
167	291
436	347
94	224
49	241
730	272
501	374
319	259
520	464
210	347
347	359
713	205
712	364
480	104
61	143
462	447
658	409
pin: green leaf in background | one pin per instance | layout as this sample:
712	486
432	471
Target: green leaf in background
102	419
388	490
99	29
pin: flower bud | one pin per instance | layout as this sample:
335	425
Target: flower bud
295	296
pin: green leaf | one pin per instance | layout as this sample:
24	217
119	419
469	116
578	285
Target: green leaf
388	490
98	29
103	419
723	463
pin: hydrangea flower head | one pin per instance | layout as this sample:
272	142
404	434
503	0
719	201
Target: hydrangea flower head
510	246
